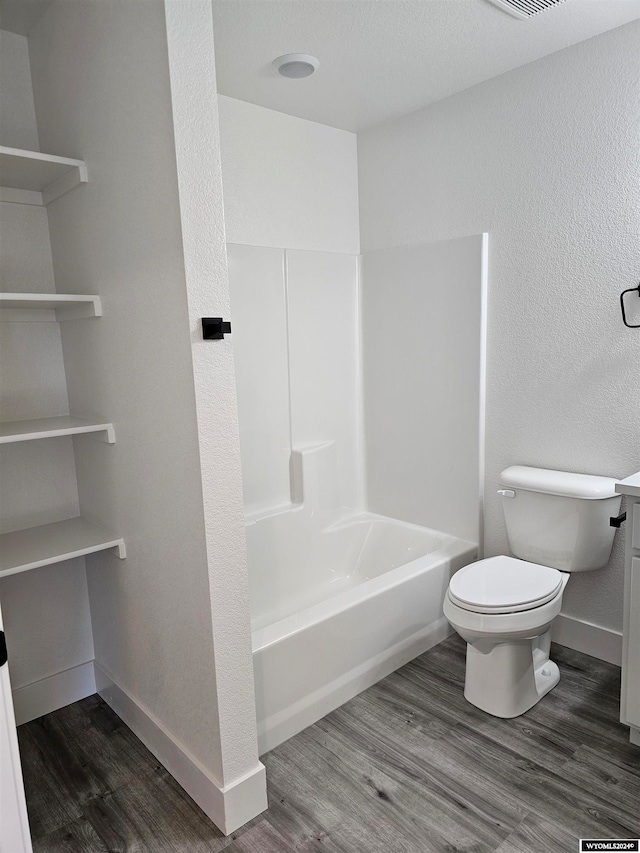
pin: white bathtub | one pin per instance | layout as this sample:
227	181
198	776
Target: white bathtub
337	607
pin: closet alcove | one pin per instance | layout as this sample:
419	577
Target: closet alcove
38	474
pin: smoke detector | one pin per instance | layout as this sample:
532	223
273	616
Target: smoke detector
295	65
524	9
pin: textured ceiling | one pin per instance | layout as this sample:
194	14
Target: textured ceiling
384	58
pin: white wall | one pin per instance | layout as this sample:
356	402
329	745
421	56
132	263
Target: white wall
422	310
46	612
545	159
18	128
288	182
101	84
197	144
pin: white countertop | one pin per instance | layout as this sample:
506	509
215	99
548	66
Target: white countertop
629	486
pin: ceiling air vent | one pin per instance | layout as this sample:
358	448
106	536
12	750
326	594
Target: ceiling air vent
525	8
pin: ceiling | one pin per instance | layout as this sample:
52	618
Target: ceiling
380	59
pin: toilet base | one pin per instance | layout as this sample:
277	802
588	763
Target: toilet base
506	679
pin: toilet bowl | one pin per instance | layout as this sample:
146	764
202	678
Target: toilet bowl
504	606
507	628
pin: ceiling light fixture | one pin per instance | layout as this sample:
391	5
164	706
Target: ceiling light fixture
295	65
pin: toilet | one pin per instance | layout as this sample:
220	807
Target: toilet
504	607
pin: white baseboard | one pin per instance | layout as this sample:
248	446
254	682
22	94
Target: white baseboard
594	640
229	806
48	694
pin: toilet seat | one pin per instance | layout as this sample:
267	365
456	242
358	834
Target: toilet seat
504	585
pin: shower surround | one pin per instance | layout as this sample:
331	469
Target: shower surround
350	549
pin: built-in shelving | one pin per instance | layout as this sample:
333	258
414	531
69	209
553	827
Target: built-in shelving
34	547
13	431
31	177
49	306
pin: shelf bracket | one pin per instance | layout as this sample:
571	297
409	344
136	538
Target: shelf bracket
65	184
106	434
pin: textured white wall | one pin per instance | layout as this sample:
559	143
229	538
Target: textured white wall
288	182
544	158
197	144
101	85
18	127
25	259
46	612
47	621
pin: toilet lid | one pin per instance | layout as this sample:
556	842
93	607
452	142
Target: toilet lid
504	585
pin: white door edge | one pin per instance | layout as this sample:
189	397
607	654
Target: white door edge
14	824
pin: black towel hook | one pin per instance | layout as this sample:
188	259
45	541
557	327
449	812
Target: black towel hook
622	307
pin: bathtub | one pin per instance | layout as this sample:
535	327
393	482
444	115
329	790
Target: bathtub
337	606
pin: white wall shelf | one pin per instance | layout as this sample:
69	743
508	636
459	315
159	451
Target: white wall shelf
49	306
13	431
30	177
52	543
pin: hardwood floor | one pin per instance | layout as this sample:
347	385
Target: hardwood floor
406	767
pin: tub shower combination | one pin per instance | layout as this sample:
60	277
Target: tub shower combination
358	384
337	601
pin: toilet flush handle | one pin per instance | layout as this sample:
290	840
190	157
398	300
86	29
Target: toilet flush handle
507	493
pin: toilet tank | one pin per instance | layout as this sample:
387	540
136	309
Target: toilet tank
559	519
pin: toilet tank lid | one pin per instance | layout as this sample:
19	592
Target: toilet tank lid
585	486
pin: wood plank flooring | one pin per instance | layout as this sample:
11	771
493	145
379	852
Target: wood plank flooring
406	767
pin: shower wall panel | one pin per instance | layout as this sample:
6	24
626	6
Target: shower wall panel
296	348
423	342
324	361
259	315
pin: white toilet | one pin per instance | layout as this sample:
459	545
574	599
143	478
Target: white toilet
503	607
